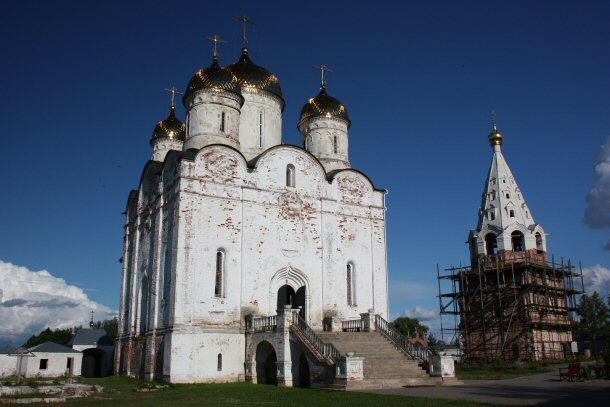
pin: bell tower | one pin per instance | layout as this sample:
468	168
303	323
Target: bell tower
506	227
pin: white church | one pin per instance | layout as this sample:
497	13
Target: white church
241	252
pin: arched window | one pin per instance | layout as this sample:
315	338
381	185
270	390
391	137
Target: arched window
517	241
539	243
491	214
260	128
511	213
290	176
491	244
349	280
219	363
220	266
222	121
335	144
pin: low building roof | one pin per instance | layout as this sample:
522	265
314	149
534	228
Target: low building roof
52	347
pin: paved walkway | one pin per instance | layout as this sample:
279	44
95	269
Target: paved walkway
541	389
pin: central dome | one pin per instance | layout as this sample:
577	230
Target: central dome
324	105
251	75
215	78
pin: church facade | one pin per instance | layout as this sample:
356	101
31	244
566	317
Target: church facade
228	223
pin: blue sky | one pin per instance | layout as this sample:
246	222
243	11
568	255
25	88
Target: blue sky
83	89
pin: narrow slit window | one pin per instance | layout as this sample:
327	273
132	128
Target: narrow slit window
222	121
511	213
491	215
349	277
219	363
335	144
290	176
507	195
220	259
260	128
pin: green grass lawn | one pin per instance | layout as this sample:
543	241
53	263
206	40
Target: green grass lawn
498	371
121	391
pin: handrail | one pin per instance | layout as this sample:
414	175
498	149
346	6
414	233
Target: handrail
261	324
351	325
415	351
327	350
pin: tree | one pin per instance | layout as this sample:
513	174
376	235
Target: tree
594	316
409	327
60	336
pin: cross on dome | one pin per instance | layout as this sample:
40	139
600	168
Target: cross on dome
245	20
216	39
323	68
173	90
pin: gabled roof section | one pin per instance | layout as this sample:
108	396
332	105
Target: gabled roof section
52	347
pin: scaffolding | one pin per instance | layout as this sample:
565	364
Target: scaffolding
510	306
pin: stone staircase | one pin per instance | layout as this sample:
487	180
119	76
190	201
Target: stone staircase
385	366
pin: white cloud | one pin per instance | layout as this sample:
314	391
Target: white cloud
421	314
597	214
31	301
597	278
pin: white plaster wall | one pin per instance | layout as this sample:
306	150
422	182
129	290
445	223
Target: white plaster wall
204	108
194	356
255	102
56	365
8	365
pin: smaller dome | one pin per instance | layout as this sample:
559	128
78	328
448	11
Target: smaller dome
251	75
495	137
214	77
324	105
170	128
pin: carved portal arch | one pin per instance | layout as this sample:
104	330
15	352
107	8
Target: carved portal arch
292	277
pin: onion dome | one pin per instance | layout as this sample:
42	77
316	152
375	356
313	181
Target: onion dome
251	75
215	78
324	105
495	137
170	128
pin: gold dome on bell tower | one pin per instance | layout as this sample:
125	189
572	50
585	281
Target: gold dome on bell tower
495	137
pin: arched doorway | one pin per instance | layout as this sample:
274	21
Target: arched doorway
287	296
304	375
266	364
92	362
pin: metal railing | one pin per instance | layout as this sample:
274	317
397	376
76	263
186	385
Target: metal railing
261	324
414	350
351	325
326	350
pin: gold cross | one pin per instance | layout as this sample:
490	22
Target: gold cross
246	20
173	91
216	39
493	120
323	68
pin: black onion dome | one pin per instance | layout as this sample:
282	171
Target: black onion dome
214	77
170	128
324	105
251	75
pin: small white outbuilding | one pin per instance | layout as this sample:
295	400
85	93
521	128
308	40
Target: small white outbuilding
50	359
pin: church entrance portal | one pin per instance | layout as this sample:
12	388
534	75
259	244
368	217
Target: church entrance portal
266	364
287	296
